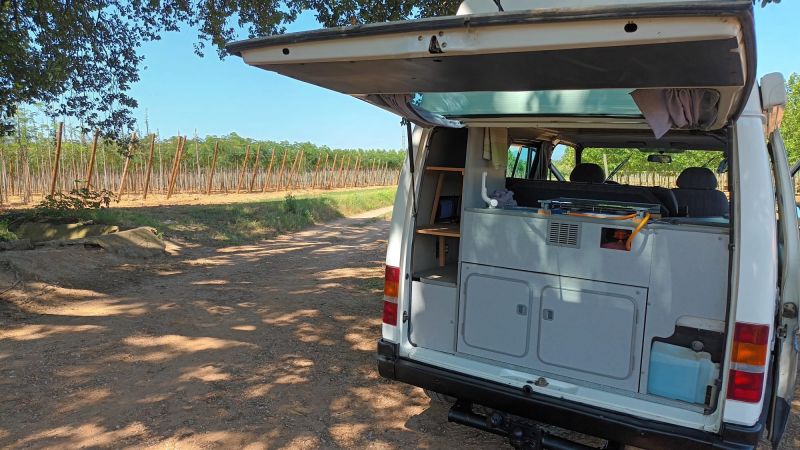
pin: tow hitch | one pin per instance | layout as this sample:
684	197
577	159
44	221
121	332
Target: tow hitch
521	434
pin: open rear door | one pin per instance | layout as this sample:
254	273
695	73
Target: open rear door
787	344
653	44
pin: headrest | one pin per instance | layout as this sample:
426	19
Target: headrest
587	173
697	178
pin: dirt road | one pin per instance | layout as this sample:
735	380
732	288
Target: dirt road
261	346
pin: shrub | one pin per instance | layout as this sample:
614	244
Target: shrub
76	199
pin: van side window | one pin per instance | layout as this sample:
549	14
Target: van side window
521	159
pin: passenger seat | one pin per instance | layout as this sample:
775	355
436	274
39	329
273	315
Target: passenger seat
587	173
697	194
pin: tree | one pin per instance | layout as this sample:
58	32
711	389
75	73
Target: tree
79	57
790	127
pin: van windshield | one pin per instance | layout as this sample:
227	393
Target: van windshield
592	102
644	168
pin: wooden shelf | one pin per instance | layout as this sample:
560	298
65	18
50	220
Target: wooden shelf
445	169
442	229
443	276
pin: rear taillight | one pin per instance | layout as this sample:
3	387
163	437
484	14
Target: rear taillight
748	362
391	286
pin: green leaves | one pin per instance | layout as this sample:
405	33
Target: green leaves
79	58
790	127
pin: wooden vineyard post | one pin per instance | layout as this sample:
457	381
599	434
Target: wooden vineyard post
149	166
213	167
316	171
338	182
324	170
255	169
90	169
288	184
244	166
291	171
301	171
355	171
269	171
279	181
329	174
295	179
176	166
58	158
128	157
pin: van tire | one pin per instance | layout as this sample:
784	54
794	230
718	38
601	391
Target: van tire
440	398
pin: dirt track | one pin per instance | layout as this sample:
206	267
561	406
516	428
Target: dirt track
262	346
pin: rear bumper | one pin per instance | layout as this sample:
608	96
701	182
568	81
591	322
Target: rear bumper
597	422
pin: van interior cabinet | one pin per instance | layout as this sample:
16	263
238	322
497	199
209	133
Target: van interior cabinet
579	329
433	315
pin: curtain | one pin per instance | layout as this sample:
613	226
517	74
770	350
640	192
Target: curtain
663	109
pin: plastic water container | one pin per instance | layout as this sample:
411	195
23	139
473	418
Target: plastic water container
680	373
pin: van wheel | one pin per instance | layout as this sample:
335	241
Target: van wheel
440	398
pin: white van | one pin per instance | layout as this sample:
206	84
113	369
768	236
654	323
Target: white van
652	316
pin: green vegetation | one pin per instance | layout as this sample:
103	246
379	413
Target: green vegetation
790	127
6	235
236	223
80	58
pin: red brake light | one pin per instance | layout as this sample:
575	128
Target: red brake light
389	313
391	286
748	362
745	386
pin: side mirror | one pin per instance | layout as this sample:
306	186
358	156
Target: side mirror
659	158
773	99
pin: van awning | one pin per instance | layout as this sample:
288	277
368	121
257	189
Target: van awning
689	44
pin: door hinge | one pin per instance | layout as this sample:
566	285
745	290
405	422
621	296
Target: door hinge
780	332
405	316
789	311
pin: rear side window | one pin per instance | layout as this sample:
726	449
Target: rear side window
521	158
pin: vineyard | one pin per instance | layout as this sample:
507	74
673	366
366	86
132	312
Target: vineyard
41	159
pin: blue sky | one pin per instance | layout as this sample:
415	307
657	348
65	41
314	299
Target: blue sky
183	92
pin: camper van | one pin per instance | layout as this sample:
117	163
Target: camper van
529	282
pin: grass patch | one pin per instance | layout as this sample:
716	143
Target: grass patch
248	222
240	223
231	224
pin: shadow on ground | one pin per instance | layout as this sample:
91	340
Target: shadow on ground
260	346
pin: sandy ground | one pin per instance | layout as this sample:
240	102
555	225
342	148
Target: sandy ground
260	346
